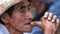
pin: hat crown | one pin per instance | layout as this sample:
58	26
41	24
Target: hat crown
5	4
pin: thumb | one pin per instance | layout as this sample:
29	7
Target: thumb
37	23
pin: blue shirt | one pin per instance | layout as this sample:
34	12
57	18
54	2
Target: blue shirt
54	8
3	29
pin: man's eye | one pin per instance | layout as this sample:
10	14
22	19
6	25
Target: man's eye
22	11
22	7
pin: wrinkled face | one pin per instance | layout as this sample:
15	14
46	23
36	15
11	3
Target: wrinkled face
21	17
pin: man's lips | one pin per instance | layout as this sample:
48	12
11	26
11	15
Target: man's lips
27	23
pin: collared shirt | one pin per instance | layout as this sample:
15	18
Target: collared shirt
3	29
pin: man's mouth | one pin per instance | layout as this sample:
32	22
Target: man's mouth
27	24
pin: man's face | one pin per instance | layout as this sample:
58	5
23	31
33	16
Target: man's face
21	17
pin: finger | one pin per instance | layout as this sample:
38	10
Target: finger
37	23
54	18
57	22
50	16
46	14
43	20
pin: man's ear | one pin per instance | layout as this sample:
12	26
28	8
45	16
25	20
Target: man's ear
5	18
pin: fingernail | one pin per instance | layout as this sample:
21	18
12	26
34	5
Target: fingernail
46	14
57	20
49	18
52	20
55	16
31	23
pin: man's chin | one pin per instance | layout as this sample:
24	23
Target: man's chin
30	30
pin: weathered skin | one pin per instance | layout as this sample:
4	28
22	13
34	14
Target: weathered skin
48	26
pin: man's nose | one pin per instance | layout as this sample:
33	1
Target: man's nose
29	15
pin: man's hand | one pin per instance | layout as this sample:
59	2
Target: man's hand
50	20
49	23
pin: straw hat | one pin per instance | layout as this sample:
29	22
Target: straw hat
5	4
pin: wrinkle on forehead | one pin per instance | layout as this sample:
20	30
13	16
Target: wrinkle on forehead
23	3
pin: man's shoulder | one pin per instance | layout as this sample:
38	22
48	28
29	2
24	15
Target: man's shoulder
3	29
1	32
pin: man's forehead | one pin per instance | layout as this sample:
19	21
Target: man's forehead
23	3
